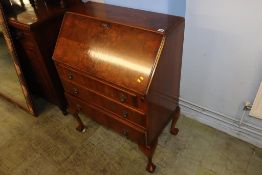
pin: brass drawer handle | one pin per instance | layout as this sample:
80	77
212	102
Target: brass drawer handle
122	98
125	133
106	25
75	91
125	114
70	76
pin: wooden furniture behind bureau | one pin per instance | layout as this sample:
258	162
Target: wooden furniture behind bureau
117	65
35	28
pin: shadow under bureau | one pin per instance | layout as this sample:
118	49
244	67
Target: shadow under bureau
121	67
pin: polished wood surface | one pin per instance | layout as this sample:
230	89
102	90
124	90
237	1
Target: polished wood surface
122	111
107	119
109	47
110	90
35	29
119	69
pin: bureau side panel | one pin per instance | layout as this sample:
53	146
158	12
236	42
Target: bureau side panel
164	90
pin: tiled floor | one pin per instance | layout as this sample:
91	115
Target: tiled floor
49	145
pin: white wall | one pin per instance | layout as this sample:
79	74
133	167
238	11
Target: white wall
174	7
222	64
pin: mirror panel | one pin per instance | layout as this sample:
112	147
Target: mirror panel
12	84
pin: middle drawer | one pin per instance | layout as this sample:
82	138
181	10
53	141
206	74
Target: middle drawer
92	97
102	87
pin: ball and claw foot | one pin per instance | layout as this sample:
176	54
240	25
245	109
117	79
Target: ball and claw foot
174	131
81	129
150	167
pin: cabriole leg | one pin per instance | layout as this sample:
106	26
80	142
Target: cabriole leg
176	115
81	126
149	151
150	166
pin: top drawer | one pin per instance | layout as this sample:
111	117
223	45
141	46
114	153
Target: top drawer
100	87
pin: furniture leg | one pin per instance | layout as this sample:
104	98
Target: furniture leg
63	110
81	126
149	151
176	115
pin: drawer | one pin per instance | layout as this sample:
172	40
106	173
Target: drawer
108	120
101	87
90	96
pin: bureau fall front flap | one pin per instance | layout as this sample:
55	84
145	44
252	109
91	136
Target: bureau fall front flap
120	54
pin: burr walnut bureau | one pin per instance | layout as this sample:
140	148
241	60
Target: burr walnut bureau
121	67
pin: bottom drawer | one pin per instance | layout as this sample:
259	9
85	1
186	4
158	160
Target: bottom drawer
108	120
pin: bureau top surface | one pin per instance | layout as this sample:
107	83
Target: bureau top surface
23	14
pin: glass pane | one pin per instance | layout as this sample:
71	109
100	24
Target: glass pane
9	82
